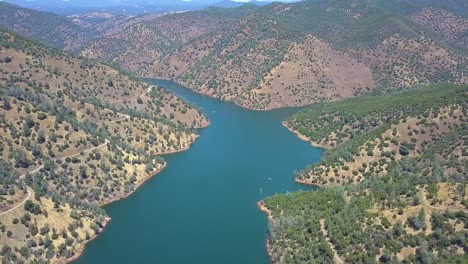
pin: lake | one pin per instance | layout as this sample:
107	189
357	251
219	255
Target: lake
203	207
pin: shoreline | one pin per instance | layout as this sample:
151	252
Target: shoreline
265	210
307	183
270	218
80	250
305	138
138	185
144	78
269	249
151	174
182	149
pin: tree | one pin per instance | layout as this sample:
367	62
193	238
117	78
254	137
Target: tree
26	131
422	218
110	82
24	251
5	250
21	161
6	103
41	137
8	174
29	122
36	151
149	167
404	151
83	172
41	116
32	207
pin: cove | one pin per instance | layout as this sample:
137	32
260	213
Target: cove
202	207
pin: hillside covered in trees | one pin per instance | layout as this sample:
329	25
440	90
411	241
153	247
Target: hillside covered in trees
57	31
272	56
297	54
74	135
394	182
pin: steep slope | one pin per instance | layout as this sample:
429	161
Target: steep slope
140	41
293	54
450	25
55	30
311	71
75	134
396	171
407	7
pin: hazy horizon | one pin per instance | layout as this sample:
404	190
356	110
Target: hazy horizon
137	6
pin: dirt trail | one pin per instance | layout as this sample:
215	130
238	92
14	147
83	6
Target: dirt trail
19	204
30	191
429	208
324	231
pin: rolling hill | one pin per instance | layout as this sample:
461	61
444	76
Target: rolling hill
295	54
395	177
52	29
74	134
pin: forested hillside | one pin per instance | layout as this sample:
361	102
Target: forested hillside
297	54
55	30
394	182
74	135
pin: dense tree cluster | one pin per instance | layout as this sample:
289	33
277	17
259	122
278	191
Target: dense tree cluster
387	212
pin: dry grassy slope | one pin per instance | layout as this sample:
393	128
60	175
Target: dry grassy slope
432	199
49	28
86	79
448	197
400	62
137	43
375	155
87	134
174	64
247	51
311	71
274	56
453	27
55	228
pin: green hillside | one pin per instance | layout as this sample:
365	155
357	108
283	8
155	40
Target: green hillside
405	200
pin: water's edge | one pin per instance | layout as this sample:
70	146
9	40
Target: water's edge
203	206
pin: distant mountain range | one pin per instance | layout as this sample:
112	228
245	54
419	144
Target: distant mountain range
233	4
68	7
47	27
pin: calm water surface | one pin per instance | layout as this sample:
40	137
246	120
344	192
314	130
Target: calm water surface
202	207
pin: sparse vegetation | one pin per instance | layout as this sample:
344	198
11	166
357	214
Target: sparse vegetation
74	138
294	54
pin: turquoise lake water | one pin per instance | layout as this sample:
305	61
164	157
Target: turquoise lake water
202	207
